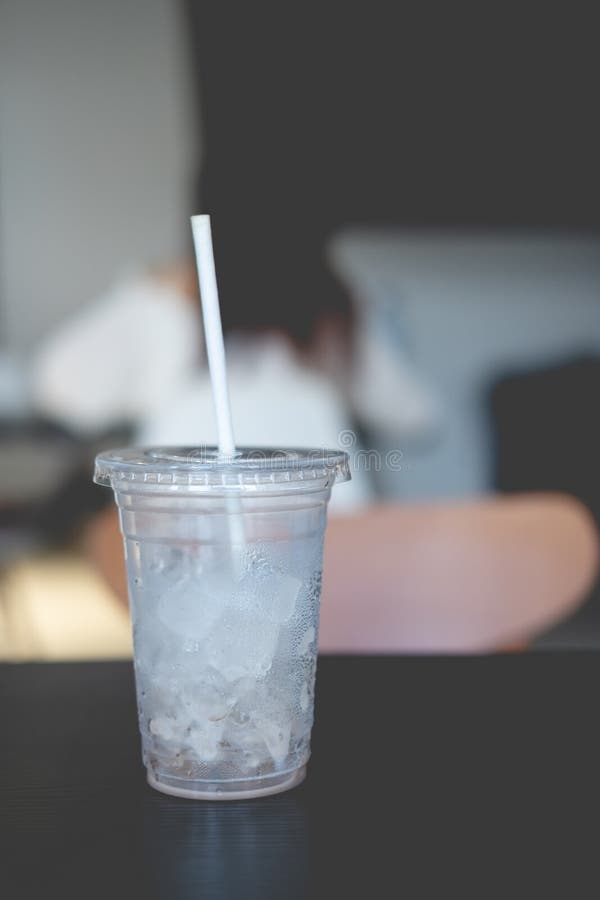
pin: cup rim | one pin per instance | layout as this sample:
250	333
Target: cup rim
146	468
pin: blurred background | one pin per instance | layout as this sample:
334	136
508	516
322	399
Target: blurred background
406	215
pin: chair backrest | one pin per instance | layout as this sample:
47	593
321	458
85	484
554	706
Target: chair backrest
468	578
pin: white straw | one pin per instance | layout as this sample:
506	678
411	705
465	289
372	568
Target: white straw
215	350
213	331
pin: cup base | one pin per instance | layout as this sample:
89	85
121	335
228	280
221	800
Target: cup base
192	789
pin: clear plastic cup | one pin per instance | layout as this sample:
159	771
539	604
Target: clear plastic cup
224	561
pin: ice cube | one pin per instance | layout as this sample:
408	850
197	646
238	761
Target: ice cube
282	593
276	736
242	644
191	606
271	595
164	727
208	704
304	697
261	722
306	640
260	738
204	739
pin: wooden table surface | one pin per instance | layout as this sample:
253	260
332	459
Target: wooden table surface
429	777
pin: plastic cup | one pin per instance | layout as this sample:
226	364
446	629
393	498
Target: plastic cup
224	561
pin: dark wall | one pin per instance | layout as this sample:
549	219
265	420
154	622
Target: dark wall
404	113
316	117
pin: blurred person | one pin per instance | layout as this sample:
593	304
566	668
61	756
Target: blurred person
291	370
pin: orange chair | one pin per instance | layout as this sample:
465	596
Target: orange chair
462	578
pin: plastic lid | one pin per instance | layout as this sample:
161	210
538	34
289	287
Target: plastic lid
140	469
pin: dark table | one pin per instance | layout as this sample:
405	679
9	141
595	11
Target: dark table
429	777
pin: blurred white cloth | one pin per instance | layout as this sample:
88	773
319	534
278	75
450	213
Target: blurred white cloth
275	402
122	359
